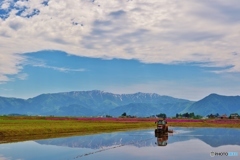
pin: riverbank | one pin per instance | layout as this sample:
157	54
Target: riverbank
14	129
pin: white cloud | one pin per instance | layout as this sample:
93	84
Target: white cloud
5	4
39	63
9	65
6	89
22	76
60	69
150	31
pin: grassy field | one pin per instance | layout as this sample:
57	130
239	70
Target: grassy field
13	129
219	123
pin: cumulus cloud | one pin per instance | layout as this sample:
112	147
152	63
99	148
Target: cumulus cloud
205	32
10	64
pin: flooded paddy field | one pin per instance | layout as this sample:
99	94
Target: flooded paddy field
184	143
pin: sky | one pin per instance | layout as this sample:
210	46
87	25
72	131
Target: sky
184	49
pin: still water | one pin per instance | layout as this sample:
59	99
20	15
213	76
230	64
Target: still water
184	143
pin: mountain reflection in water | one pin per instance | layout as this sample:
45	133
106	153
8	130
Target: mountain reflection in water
214	137
184	143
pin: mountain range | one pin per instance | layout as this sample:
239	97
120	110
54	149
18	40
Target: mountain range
100	103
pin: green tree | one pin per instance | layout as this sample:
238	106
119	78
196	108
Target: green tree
186	115
124	114
191	115
162	115
177	115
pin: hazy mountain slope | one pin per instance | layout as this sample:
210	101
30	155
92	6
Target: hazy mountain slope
143	109
13	105
216	104
135	109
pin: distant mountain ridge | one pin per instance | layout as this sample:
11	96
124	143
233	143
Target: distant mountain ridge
93	103
100	103
215	103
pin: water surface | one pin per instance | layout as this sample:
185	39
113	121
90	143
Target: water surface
184	143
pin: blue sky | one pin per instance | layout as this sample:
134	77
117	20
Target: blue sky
185	49
57	71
